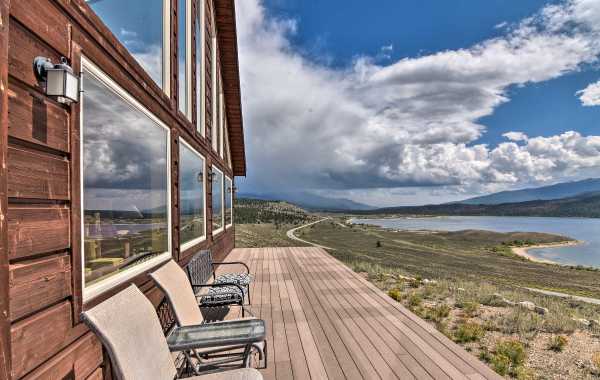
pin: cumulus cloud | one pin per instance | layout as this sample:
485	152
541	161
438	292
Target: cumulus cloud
412	122
590	96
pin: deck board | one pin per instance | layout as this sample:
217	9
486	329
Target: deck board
326	322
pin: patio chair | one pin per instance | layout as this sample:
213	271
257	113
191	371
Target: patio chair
129	329
173	282
201	268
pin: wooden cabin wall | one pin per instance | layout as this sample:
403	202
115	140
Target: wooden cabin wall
40	255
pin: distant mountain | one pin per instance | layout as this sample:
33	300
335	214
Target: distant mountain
586	205
560	190
311	201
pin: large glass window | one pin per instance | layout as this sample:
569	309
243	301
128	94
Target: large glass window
191	196
140	26
200	72
125	184
183	27
228	201
217	200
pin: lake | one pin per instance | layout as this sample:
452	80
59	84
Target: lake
584	229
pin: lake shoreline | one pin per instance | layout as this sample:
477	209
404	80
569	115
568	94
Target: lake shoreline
523	251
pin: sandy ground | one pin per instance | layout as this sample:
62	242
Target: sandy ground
522	251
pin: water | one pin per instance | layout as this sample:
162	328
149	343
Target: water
583	229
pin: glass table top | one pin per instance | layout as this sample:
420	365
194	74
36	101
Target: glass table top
245	331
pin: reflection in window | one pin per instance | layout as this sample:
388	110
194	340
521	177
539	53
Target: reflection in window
228	201
200	99
125	182
191	197
182	16
217	199
138	24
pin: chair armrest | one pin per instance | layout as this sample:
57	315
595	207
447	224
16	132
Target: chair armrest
231	263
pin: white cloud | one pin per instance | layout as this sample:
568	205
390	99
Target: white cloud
590	96
412	122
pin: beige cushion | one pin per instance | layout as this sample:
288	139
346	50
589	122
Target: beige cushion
128	327
237	374
173	281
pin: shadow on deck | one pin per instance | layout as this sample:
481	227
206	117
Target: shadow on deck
325	321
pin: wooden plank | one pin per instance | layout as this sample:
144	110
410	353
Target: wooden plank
5	346
35	229
36	339
296	347
45	20
267	313
96	375
38	175
327	313
38	283
33	118
81	359
325	352
23	48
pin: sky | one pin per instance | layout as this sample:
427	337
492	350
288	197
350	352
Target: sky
418	102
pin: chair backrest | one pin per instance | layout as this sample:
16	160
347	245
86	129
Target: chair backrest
199	268
172	280
129	329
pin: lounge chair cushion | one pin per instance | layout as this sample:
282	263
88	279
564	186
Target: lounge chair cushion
235	278
221	295
238	374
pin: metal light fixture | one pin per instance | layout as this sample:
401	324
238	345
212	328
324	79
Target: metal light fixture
58	79
210	174
200	177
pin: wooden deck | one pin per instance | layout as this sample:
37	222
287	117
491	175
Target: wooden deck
325	321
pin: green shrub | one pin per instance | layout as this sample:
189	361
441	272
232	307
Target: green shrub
440	312
520	321
469	332
395	294
470	309
522	373
414	300
500	364
414	282
512	349
378	244
558	343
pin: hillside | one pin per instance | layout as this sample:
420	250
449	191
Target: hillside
557	191
256	211
312	201
585	205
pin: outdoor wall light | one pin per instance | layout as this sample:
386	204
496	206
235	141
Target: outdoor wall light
210	175
200	177
58	79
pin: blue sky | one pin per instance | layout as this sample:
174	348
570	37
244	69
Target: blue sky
419	101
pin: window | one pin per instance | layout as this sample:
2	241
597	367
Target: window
217	200
200	72
222	117
183	56
140	26
191	196
125	185
228	202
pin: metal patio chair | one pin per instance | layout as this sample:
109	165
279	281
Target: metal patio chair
228	288
174	283
128	327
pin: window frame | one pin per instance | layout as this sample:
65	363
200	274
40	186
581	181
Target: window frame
222	116
188	90
195	241
227	178
222	228
97	289
215	96
200	85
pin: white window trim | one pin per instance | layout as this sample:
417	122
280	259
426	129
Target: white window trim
102	286
201	20
231	198
222	228
202	238
214	126
188	62
221	116
166	80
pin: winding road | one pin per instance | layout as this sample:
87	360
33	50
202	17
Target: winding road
290	234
